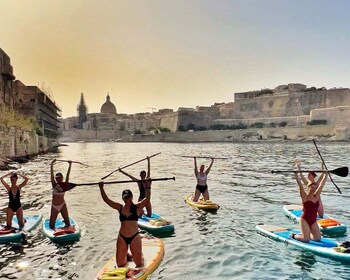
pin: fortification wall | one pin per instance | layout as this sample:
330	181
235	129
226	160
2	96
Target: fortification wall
170	121
337	115
91	136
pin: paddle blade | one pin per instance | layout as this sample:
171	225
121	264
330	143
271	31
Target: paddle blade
65	186
341	171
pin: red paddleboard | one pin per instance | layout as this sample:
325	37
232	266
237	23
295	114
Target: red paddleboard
65	230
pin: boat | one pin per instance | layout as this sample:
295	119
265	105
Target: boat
15	233
153	252
155	225
206	205
61	233
327	224
326	247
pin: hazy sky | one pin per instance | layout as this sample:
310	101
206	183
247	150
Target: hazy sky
170	54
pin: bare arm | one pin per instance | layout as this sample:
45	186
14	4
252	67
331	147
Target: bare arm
195	167
114	205
144	201
7	186
26	179
303	179
322	183
126	174
302	192
322	175
211	164
68	171
53	182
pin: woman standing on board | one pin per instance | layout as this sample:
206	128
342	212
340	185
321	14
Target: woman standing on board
142	186
311	179
128	234
14	192
311	201
58	203
201	177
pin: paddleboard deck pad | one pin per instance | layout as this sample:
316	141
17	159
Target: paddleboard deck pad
326	247
61	233
153	252
327	224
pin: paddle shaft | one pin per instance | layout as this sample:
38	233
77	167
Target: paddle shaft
64	160
128	165
204	157
127	181
330	177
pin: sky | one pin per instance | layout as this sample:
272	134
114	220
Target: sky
171	54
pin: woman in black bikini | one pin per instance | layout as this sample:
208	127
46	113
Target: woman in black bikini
14	193
128	234
201	176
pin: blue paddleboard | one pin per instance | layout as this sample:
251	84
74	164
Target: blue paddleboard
62	234
155	225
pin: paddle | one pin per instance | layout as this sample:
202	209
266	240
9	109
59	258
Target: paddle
341	171
325	166
204	157
64	186
128	166
64	160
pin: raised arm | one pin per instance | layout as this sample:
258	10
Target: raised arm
322	183
144	201
68	171
211	164
111	203
53	182
303	179
322	175
195	167
7	186
26	179
302	192
126	174
148	167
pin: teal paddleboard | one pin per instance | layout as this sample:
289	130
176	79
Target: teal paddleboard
326	247
155	225
16	234
62	234
327	224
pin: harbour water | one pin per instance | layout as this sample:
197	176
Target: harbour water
224	245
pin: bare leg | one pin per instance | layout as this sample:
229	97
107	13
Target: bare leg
65	216
53	217
149	209
136	251
196	195
121	252
305	232
315	232
9	216
206	195
19	214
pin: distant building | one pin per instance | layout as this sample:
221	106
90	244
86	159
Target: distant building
33	102
82	112
108	107
6	78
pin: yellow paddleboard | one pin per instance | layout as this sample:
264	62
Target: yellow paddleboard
153	252
206	205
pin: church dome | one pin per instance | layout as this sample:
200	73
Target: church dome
108	107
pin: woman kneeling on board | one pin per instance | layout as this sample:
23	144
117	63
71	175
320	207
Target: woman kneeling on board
311	201
14	193
201	177
311	176
58	203
128	234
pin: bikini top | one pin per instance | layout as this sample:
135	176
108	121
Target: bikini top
133	214
202	179
55	190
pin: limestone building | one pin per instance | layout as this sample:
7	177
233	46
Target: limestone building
6	78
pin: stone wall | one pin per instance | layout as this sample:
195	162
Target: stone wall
170	121
77	135
337	115
15	142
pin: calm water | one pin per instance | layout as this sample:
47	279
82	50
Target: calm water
205	246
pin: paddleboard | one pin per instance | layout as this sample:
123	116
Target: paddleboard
206	205
326	247
15	233
327	224
153	252
155	225
62	234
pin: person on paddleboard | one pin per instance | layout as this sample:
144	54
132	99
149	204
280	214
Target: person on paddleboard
58	203
311	201
129	236
142	186
311	176
201	177
14	192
